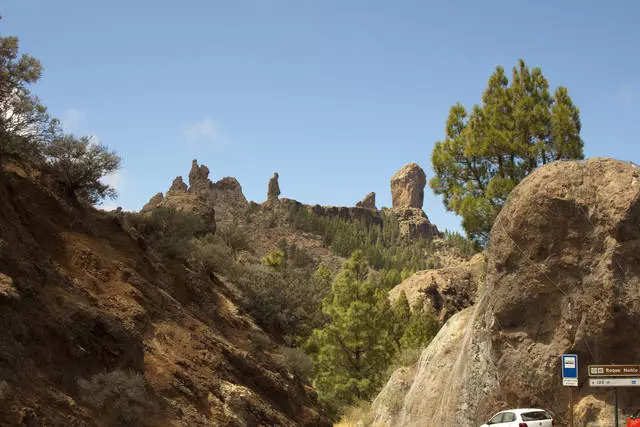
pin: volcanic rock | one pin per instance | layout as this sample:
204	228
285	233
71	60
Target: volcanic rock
274	189
407	187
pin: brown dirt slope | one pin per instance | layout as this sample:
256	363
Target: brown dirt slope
79	296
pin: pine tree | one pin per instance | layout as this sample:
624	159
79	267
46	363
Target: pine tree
488	151
420	329
353	349
401	315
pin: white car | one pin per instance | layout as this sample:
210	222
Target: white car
521	418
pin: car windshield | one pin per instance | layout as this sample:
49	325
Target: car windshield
535	416
637	414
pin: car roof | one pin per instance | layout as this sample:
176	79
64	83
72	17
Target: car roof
521	410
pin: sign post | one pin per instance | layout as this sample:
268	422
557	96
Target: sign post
570	378
614	376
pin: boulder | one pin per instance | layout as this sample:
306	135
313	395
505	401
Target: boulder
407	187
563	277
445	290
369	201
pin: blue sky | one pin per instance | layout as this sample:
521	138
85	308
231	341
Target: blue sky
335	95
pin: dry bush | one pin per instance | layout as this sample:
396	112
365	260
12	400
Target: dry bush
120	395
296	360
358	414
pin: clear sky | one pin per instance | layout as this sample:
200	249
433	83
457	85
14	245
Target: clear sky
335	95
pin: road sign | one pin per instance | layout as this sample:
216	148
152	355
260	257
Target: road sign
614	382
570	370
614	370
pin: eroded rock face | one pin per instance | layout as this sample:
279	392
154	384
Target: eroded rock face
274	189
563	277
414	223
178	186
198	177
407	187
369	201
445	290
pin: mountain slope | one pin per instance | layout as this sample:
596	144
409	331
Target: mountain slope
80	297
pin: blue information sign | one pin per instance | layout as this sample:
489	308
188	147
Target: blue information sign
570	370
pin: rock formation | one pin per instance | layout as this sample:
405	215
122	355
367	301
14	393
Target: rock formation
414	223
407	187
153	203
367	216
198	177
445	290
563	277
369	202
178	186
274	189
222	201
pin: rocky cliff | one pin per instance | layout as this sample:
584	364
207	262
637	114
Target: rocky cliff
563	277
97	329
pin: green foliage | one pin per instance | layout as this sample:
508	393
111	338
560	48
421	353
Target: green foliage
420	329
463	245
488	151
387	279
383	246
234	236
78	164
323	275
121	396
352	350
211	255
276	260
169	230
25	125
286	303
401	314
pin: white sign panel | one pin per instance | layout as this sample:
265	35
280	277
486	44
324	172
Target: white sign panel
570	382
614	382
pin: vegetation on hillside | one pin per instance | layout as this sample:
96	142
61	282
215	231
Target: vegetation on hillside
362	335
382	245
488	151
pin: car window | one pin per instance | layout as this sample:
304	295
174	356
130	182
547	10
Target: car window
507	417
535	416
496	419
637	414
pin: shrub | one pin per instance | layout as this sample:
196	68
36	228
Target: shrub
78	165
259	341
234	236
210	254
169	230
288	304
276	260
296	360
120	395
358	414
